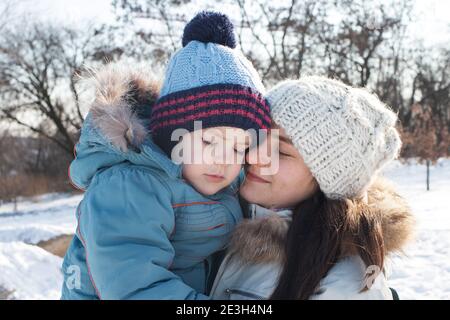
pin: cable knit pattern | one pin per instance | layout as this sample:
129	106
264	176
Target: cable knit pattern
200	64
208	80
344	134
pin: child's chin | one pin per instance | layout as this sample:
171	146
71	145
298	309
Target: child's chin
209	190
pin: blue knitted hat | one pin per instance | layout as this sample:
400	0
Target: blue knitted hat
208	80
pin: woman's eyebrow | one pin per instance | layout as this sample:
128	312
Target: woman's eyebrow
285	140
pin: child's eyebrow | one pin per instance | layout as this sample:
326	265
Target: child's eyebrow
236	139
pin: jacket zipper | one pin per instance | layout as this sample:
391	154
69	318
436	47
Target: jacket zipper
206	274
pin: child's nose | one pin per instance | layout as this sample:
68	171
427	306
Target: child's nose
219	156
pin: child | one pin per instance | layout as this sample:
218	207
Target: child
148	228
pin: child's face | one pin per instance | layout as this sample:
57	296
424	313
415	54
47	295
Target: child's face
213	157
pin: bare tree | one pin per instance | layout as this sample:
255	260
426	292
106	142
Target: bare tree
5	13
357	44
38	90
12	182
42	167
287	38
427	139
431	84
156	25
279	38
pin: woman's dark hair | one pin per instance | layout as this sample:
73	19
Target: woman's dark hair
319	230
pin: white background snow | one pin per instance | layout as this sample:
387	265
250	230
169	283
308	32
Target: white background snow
423	273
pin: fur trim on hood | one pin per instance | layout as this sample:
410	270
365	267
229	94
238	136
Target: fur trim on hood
262	240
122	95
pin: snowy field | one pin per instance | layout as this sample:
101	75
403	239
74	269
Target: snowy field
29	272
424	273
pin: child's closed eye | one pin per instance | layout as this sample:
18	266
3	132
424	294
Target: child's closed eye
206	142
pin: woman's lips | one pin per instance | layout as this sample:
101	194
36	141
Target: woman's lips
214	177
255	178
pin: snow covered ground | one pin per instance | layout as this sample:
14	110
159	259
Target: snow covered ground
424	273
42	218
29	272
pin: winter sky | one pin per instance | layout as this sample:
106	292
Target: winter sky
431	21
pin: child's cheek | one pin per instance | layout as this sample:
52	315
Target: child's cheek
234	171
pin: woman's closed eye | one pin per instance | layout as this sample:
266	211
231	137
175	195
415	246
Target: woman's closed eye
284	153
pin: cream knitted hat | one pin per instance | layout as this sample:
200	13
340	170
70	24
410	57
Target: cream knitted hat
344	134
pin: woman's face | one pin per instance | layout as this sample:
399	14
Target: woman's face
289	185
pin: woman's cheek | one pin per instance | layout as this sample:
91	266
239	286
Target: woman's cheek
288	182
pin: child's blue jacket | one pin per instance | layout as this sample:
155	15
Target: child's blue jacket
143	232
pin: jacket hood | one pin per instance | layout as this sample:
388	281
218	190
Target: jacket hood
262	240
123	99
116	127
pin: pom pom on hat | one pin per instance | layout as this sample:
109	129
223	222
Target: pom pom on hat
209	26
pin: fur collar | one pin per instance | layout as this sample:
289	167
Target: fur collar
123	96
256	211
262	240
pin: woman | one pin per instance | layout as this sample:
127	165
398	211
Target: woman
323	224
